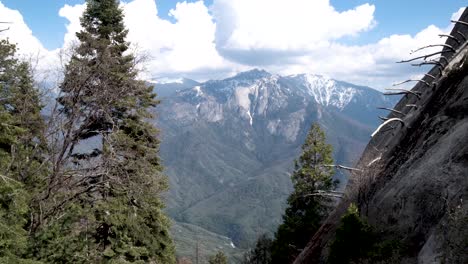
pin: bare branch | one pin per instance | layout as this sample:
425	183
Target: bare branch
462	35
383	118
450	37
403	91
328	193
412	105
374	160
459	22
398	93
430	76
342	167
391	110
434	45
431	62
421	57
411	80
444	58
386	123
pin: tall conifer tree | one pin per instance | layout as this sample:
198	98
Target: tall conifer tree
21	165
305	211
109	208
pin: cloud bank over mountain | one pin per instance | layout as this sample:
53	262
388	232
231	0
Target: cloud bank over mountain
203	42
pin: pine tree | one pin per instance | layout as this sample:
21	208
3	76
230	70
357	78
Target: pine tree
109	207
261	254
218	258
21	163
354	239
305	211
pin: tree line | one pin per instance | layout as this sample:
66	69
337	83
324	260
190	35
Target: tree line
82	183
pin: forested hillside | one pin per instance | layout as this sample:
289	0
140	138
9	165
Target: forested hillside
229	145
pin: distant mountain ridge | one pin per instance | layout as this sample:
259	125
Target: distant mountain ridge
229	145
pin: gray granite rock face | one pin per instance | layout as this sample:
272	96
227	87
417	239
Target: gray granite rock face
419	192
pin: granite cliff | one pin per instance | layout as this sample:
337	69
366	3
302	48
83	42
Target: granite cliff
413	186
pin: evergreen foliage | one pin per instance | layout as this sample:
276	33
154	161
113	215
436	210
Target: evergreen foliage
219	258
21	170
353	239
305	211
357	242
261	254
103	204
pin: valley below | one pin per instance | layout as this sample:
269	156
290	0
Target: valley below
229	147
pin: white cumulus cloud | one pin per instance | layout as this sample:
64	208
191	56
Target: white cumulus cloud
281	36
72	14
294	36
285	25
18	32
29	47
184	47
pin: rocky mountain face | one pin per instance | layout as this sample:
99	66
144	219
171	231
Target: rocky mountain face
414	184
228	145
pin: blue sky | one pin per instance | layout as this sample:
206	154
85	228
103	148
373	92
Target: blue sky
393	16
43	19
352	40
404	16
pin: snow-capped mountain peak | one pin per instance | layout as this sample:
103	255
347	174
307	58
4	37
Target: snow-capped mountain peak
328	92
257	96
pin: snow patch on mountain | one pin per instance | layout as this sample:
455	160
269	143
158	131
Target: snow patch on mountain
257	96
167	81
242	96
198	90
243	99
328	92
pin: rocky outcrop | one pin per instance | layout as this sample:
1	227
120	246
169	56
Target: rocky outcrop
414	184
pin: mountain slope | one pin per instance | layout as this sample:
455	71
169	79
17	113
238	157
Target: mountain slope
228	145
